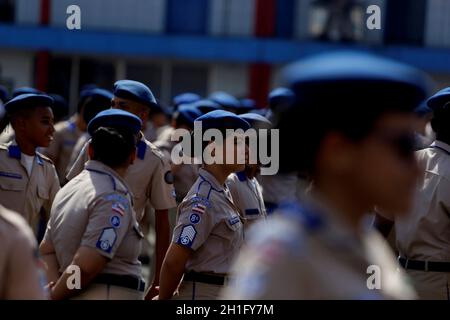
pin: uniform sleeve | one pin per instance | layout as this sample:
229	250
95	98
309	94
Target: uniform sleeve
160	190
194	224
110	217
25	278
77	166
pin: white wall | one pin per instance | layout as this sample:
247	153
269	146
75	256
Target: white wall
28	12
17	67
437	23
130	15
232	78
231	17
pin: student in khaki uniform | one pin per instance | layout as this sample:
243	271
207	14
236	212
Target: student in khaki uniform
244	187
282	186
65	138
149	178
358	111
209	230
19	265
184	174
28	180
93	225
423	237
92	101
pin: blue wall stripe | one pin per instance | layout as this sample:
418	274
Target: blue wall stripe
245	50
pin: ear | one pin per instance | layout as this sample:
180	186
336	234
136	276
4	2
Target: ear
144	115
90	151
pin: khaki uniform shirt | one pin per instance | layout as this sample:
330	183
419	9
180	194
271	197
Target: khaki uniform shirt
247	195
149	178
77	152
308	253
279	188
95	210
424	234
22	193
20	277
184	174
209	223
60	150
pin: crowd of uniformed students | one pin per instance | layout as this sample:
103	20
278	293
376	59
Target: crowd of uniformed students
95	207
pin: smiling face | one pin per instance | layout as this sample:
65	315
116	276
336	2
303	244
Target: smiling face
36	126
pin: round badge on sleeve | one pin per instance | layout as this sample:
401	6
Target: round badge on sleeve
168	177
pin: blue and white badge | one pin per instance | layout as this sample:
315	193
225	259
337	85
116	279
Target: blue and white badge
187	236
106	240
234	220
194	218
115	221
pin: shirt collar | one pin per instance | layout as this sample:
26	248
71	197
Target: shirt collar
97	166
441	145
205	175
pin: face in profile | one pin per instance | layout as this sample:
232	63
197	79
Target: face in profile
38	126
385	168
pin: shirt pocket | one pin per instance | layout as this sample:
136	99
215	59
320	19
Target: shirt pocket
12	184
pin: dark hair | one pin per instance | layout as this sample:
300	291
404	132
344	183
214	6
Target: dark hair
9	117
93	106
441	123
113	146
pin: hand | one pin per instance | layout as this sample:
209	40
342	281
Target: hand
152	292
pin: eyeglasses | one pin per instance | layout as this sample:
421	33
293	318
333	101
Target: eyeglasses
403	143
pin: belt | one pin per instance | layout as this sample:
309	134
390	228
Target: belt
424	265
125	281
205	278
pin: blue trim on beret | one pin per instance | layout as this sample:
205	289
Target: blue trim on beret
115	118
28	100
254	119
281	97
134	90
221	119
439	99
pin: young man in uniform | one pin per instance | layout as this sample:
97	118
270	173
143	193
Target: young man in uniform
149	177
28	180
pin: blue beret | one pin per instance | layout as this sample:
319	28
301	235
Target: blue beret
255	119
354	81
187	113
25	90
136	91
115	118
185	98
28	100
3	94
221	119
225	100
206	105
423	110
439	99
281	98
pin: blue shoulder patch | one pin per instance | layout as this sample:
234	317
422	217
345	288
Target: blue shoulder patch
14	152
309	218
187	236
107	240
241	176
